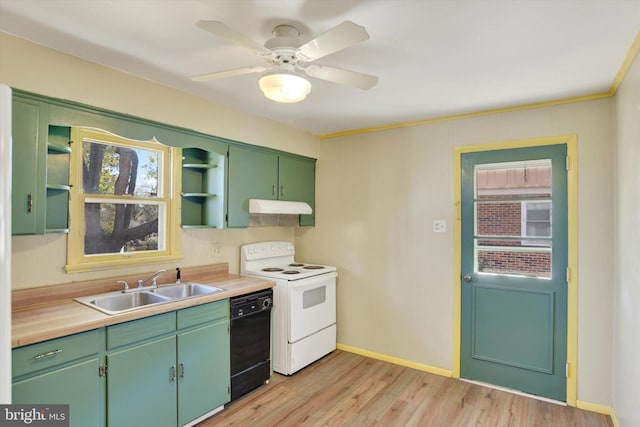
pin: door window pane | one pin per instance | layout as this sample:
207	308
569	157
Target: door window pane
513	202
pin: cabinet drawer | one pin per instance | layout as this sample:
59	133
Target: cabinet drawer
204	313
55	352
140	330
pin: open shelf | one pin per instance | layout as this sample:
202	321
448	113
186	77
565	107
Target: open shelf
202	183
56	148
198	195
198	166
57	185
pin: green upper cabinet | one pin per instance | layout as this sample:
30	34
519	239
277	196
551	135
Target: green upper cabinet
256	173
218	176
297	181
29	130
40	178
253	174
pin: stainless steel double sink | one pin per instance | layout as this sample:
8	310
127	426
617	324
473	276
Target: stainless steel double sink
120	302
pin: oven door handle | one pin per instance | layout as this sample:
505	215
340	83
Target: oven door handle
311	282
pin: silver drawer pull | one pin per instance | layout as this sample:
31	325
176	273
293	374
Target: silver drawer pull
47	354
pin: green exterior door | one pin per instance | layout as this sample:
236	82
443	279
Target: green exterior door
76	385
203	371
253	174
297	180
141	385
514	264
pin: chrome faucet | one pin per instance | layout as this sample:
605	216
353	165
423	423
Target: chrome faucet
153	279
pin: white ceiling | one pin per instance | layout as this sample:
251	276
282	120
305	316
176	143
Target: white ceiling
434	58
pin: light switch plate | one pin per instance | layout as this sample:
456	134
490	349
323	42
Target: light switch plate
439	226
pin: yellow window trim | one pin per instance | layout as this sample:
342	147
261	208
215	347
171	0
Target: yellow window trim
171	184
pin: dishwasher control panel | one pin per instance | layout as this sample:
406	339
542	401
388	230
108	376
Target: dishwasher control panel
251	303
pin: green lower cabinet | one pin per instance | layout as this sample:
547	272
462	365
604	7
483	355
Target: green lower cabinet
141	385
203	371
164	370
169	369
62	371
77	385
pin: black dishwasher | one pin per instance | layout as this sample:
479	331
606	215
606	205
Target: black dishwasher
250	341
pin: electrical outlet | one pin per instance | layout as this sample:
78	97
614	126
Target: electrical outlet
439	226
216	250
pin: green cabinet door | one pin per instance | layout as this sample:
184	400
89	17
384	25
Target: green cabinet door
203	371
28	128
141	385
77	385
253	174
297	180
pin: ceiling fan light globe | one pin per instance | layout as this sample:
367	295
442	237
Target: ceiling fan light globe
284	87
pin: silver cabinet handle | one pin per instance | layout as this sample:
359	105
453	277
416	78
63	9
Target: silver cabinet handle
29	203
172	375
466	278
273	190
182	370
282	190
47	354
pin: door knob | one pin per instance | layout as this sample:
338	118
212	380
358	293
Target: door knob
466	278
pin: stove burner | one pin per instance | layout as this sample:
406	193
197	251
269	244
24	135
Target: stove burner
296	264
269	269
291	272
313	267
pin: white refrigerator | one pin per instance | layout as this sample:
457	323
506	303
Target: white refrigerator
5	244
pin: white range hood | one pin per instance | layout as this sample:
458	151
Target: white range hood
278	207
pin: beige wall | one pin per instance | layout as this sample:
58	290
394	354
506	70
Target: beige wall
626	350
40	260
378	195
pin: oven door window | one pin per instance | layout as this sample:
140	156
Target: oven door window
312	305
314	297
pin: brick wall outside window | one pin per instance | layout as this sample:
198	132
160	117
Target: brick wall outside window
505	219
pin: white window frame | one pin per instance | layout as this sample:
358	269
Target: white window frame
524	220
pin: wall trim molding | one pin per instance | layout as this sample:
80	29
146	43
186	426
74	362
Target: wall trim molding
396	360
600	409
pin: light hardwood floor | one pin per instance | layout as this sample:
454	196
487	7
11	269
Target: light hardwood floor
345	389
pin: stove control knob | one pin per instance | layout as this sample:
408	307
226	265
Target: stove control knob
266	303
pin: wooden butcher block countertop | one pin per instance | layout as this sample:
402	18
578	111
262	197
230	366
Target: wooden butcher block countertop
40	314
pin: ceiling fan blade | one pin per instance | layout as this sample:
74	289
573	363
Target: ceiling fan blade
345	77
229	73
337	38
221	30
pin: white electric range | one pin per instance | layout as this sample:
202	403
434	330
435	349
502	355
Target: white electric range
304	303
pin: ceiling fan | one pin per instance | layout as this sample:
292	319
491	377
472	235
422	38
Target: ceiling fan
288	59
